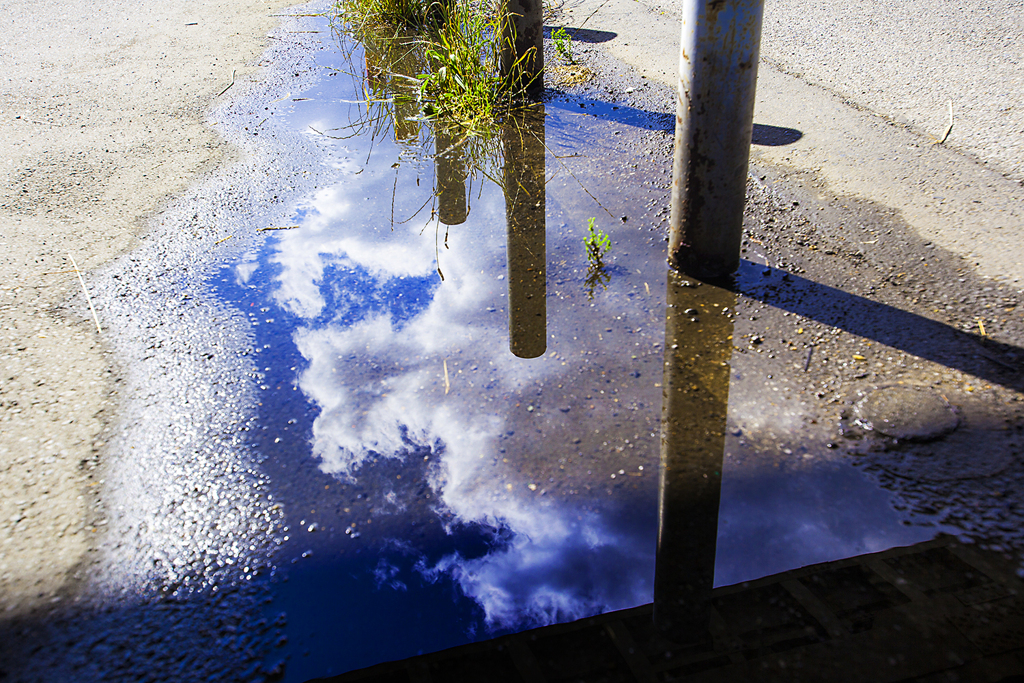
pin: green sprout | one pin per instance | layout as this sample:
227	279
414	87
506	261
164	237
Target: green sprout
563	44
597	244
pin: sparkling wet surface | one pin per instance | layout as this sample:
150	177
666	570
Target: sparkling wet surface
438	488
328	457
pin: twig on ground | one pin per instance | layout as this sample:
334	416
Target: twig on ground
277	227
223	240
95	317
949	129
229	84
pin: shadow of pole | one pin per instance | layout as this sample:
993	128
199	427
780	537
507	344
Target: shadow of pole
522	138
698	348
932	340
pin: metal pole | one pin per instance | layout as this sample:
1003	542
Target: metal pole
714	119
523	38
522	138
450	174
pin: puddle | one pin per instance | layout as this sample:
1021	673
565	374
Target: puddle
462	418
465	456
453	418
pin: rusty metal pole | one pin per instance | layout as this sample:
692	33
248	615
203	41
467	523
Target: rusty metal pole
522	45
714	119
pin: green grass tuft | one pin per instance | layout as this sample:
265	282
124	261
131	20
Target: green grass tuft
563	44
458	79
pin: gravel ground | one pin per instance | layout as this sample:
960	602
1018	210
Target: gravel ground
101	120
172	506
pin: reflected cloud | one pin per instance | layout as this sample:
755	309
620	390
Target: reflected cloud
388	380
554	571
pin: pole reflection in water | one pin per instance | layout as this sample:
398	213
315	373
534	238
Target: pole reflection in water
398	55
450	170
522	138
698	348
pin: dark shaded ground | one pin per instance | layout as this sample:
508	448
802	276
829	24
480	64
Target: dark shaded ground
933	612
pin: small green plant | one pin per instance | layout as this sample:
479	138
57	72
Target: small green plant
597	244
563	44
460	79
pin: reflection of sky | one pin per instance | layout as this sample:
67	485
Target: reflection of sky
377	328
379	382
776	519
373	330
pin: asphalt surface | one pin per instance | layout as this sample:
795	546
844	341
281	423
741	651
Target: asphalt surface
907	61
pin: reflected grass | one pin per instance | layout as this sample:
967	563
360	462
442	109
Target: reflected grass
457	77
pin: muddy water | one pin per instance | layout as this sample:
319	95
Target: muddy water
461	414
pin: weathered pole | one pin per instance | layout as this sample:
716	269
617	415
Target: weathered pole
714	119
522	45
522	138
450	174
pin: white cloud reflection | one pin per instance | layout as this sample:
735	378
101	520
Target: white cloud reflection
381	382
